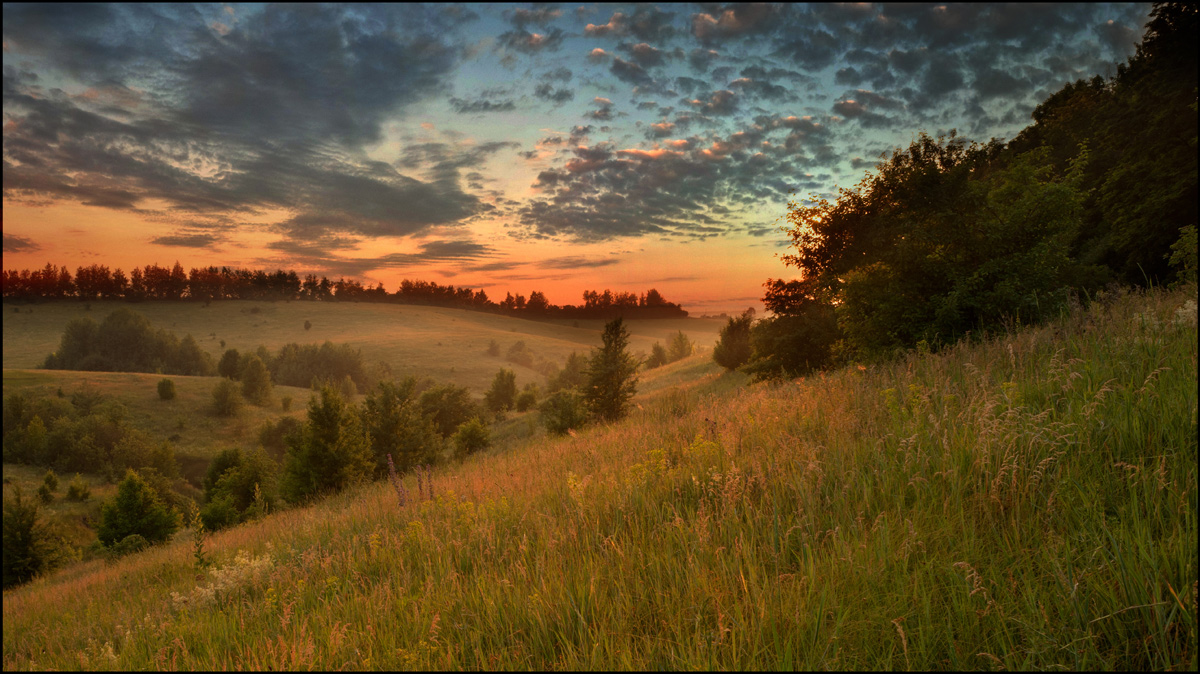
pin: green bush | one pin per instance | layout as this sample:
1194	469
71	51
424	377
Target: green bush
470	438
285	403
44	495
732	349
227	399
27	548
129	545
449	406
166	389
612	379
503	394
136	509
50	480
681	347
78	490
219	513
256	382
230	364
330	452
528	398
126	342
399	426
562	411
658	357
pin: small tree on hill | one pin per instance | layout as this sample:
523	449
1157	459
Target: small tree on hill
503	394
26	548
681	347
733	348
399	426
450	406
611	375
562	411
471	437
136	509
256	382
658	357
166	389
227	399
230	364
331	451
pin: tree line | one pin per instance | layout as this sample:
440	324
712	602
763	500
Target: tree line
948	239
207	284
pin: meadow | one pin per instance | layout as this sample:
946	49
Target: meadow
1025	502
446	345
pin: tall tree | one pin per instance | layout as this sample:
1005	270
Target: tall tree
611	374
331	451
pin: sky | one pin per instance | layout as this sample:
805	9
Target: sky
557	147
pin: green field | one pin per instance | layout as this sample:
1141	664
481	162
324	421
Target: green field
1025	503
446	345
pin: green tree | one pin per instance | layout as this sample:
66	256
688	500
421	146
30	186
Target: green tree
449	406
27	548
562	411
256	381
230	364
398	425
78	490
573	374
681	347
166	389
227	399
331	451
470	438
527	398
611	373
732	349
503	394
658	357
136	509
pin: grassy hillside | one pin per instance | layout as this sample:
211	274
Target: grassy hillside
1026	503
448	345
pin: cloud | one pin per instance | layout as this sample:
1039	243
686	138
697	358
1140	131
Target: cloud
733	21
645	55
627	71
19	244
602	113
531	43
546	92
541	16
576	262
721	103
186	240
480	105
233	124
646	23
700	58
598	55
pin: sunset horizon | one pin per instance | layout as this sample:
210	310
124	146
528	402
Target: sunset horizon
503	148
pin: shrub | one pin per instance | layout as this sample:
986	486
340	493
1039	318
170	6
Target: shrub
126	342
44	494
27	550
136	509
129	545
227	399
399	426
520	354
219	513
528	398
274	436
503	394
573	374
681	347
50	480
562	411
330	452
78	490
470	438
732	349
449	406
230	364
493	348
307	325
285	403
256	381
658	357
166	389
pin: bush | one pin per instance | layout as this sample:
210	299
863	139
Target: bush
331	451
528	398
219	513
166	389
503	394
126	342
658	357
256	381
681	347
27	549
44	495
470	438
563	411
227	399
129	545
732	349
307	325
573	374
398	426
520	354
230	364
493	348
285	403
449	406
136	509
78	490
50	480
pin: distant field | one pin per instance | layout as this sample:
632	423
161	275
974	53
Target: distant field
447	345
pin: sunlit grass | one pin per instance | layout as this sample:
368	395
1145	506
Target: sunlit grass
1027	503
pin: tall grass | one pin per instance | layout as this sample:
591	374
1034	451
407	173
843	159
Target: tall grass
1029	502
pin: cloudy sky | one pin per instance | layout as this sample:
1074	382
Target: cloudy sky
505	147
